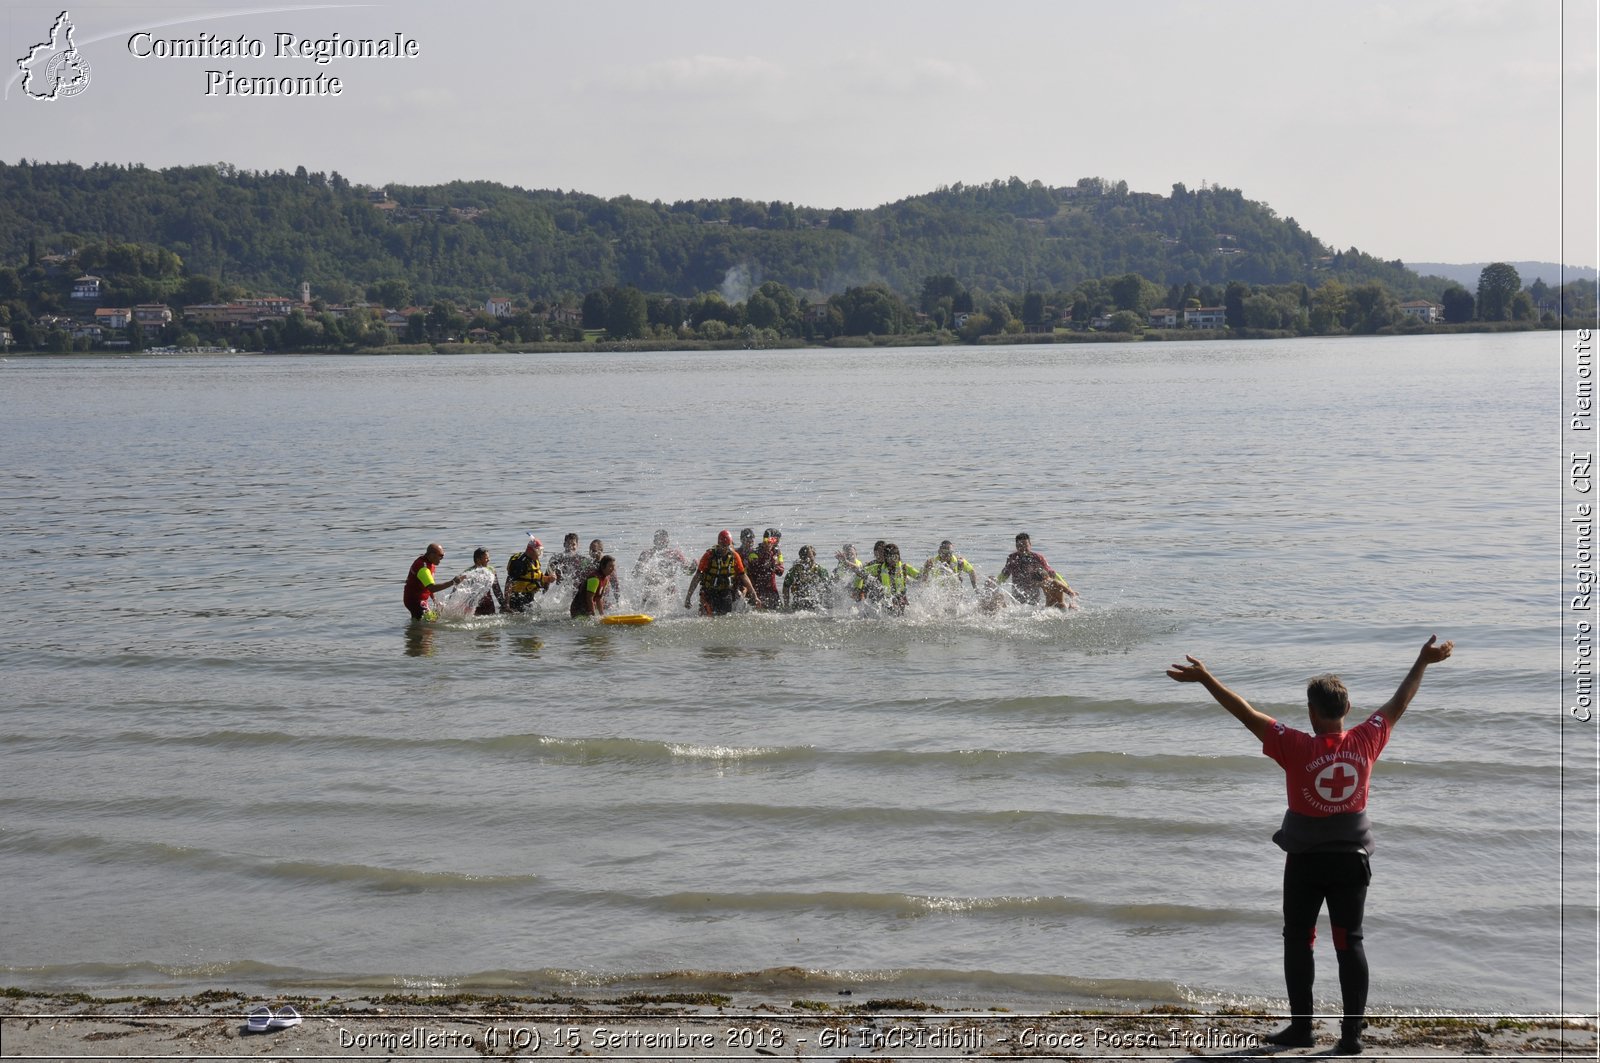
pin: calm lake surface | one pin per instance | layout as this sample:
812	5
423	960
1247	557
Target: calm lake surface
229	759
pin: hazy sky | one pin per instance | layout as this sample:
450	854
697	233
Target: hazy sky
1426	130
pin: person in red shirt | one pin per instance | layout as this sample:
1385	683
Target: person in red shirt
420	586
720	575
1034	579
1325	831
764	566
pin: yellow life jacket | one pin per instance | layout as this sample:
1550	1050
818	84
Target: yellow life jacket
524	575
720	572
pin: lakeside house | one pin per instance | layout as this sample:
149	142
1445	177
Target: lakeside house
1422	310
113	316
152	315
498	306
86	287
1205	317
239	312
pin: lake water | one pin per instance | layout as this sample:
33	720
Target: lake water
229	759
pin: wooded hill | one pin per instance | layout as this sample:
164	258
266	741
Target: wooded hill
267	232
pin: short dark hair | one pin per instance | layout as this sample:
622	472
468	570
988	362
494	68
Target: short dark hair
1327	696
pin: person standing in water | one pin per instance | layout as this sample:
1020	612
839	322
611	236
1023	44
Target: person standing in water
807	586
597	551
1034	579
720	575
526	577
658	569
568	564
590	599
1325	831
764	567
420	586
493	600
946	568
886	580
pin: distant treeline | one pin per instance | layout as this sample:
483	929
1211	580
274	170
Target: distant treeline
962	262
465	241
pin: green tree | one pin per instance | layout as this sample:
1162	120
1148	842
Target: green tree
1033	311
1458	304
1130	321
871	309
1233	304
627	316
1127	292
762	312
596	309
934	289
1497	284
393	293
1371	308
1328	306
976	325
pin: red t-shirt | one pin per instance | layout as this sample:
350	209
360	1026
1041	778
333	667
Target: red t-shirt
1327	774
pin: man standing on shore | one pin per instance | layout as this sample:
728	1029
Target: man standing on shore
1325	832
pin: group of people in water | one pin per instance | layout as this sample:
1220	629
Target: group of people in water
753	570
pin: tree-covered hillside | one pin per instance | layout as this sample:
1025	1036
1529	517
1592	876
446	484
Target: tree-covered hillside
268	232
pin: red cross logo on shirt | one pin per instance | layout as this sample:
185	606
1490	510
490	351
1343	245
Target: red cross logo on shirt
1336	783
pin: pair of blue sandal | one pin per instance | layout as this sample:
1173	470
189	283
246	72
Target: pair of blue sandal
264	1018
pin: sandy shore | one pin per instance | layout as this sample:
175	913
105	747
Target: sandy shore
685	1027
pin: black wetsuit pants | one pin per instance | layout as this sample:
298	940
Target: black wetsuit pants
1341	880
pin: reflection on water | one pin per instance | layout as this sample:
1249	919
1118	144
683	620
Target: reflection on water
419	635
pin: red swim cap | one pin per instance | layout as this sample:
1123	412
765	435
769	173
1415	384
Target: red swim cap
724	538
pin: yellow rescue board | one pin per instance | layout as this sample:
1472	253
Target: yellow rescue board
627	618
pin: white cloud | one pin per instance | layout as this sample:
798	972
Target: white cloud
699	74
900	75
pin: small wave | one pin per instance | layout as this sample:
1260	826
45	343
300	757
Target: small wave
104	851
912	906
936	987
389	879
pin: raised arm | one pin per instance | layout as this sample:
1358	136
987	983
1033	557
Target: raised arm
1257	722
1433	651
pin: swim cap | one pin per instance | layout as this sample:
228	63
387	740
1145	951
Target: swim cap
725	537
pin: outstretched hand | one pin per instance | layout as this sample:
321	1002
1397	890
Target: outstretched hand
1193	672
1434	651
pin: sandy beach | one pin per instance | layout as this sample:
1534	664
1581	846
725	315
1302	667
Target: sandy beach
216	1025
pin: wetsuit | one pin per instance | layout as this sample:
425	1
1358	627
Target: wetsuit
719	578
764	567
808	586
418	593
590	600
885	582
487	604
1328	839
849	573
1031	572
943	572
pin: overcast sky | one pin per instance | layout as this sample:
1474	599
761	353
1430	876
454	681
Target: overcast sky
1426	130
